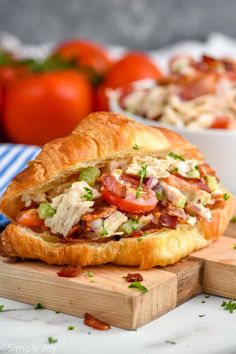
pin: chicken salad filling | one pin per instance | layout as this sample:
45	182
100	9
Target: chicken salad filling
131	198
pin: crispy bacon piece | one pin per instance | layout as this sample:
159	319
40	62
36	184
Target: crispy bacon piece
131	277
219	204
205	169
112	185
75	229
93	322
98	213
198	85
69	271
173	211
182	184
169	221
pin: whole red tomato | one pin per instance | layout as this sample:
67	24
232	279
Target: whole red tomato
10	69
45	106
132	67
86	54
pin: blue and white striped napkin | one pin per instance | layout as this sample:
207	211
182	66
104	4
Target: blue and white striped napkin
13	159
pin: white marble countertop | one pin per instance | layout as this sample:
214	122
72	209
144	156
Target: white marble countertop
181	331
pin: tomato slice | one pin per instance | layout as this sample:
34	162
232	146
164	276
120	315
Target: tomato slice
129	203
29	218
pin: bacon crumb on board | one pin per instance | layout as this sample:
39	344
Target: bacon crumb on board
93	322
69	272
131	277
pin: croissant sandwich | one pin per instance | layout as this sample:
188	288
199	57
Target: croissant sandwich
114	191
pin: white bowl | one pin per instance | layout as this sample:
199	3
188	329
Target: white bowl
217	145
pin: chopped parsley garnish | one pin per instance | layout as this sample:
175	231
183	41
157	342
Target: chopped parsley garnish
233	219
103	231
90	274
1	308
226	196
176	156
136	147
139	192
89	194
142	174
170	342
201	315
229	306
234	246
139	286
52	340
70	328
38	306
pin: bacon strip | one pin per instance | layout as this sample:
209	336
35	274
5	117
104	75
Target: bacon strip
169	221
182	184
173	211
69	272
93	322
205	169
112	185
102	212
131	277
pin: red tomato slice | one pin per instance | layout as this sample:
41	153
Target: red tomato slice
29	218
129	203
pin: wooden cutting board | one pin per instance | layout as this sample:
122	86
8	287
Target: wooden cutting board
107	296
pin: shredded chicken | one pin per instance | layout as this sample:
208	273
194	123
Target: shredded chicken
70	206
155	167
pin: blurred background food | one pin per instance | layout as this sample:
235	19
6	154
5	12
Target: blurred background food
44	93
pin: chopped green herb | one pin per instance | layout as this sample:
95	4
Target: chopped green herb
229	306
1	308
142	174
70	328
136	147
103	231
139	239
176	156
139	286
89	194
234	246
139	192
38	306
226	196
233	219
207	296
201	315
170	342
45	210
52	340
174	170
203	301
129	226
90	274
89	175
